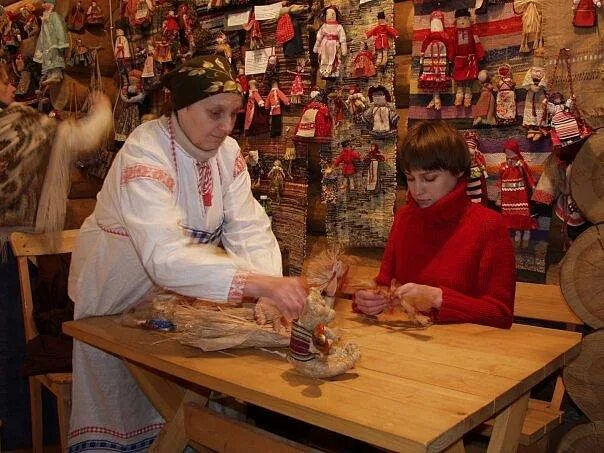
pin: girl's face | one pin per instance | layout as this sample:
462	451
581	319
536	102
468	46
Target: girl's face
429	186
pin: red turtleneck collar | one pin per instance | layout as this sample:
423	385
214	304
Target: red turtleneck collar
448	209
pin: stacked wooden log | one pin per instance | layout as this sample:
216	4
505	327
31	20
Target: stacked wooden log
582	283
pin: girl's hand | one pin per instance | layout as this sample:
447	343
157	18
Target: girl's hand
371	301
420	297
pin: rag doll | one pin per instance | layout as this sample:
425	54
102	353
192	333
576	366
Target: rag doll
254	32
277	181
380	116
297	88
76	19
477	180
484	110
30	21
256	119
467	53
273	101
128	108
80	55
51	44
363	64
505	109
288	32
170	28
585	13
94	15
121	51
535	84
346	159
315	121
373	159
356	103
331	43
382	33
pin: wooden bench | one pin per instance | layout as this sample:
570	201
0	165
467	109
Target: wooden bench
533	302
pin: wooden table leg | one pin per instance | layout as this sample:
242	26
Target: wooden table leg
508	426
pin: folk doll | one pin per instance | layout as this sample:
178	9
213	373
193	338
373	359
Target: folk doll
331	43
76	19
273	101
363	64
80	55
380	116
288	32
242	79
170	28
297	89
24	73
270	72
51	45
373	159
356	102
94	15
277	178
382	33
535	84
346	160
436	51
185	23
477	181
505	110
121	51
467	53
30	20
128	113
254	32
585	13
290	153
163	52
11	35
516	185
223	47
252	159
151	73
256	119
532	16
140	12
484	110
565	130
337	105
315	121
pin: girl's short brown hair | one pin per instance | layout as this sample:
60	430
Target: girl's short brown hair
435	145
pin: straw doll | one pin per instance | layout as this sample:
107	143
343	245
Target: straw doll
382	33
331	43
277	178
532	16
170	28
51	44
535	84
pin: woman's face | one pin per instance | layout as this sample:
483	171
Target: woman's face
208	122
429	186
7	90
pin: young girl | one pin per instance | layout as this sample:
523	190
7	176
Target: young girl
452	257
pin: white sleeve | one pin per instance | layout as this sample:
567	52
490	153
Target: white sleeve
151	217
247	233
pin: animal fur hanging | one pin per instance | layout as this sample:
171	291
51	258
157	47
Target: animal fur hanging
532	17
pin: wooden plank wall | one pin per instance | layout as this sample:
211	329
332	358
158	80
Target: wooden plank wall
403	22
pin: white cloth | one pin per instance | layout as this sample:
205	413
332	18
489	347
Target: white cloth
150	227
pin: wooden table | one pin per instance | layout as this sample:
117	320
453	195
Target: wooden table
413	390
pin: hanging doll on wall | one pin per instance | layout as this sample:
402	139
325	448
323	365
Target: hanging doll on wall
505	110
373	159
30	20
163	52
346	160
76	19
535	84
223	47
170	28
297	89
150	74
290	153
127	111
484	110
477	180
273	101
288	33
80	55
436	51
356	103
585	13
185	25
51	44
277	178
516	185
315	121
338	106
254	168
380	116
121	51
140	12
467	53
254	32
10	33
382	33
363	64
256	118
331	43
532	17
94	15
565	131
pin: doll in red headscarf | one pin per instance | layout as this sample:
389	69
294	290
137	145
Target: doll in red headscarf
516	185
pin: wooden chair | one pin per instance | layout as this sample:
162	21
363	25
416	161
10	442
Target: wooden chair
28	246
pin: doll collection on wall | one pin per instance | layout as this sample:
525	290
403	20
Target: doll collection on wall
485	66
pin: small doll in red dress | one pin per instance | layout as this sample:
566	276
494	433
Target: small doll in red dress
315	121
585	13
435	54
516	185
477	180
484	110
363	64
505	107
373	159
170	27
382	32
185	23
297	89
346	159
273	101
94	15
254	32
256	119
76	19
467	52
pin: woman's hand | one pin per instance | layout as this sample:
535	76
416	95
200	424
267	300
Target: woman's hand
371	301
286	294
420	297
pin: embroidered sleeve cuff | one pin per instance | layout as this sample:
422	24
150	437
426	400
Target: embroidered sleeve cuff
543	197
237	286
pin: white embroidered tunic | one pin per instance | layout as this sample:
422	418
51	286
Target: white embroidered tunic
154	224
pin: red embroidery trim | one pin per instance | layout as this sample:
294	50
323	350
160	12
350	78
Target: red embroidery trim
237	286
140	171
240	165
120	231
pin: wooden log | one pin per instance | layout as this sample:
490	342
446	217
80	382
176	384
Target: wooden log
582	276
584	377
588	437
587	179
403	22
402	69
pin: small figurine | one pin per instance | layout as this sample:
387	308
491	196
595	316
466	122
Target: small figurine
565	131
585	14
346	160
535	84
10	33
76	19
363	64
356	102
532	16
382	32
331	43
254	32
25	76
164	51
256	119
381	116
252	159
30	20
434	60
277	177
223	47
140	12
290	153
373	158
297	89
128	113
315	121
467	52
80	55
121	51
273	101
94	15
505	108
338	106
150	74
51	44
185	23
170	28
242	78
484	110
516	184
288	31
477	181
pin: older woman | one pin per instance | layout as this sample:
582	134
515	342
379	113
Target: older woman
177	188
451	257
